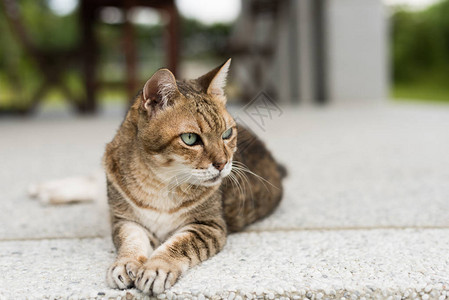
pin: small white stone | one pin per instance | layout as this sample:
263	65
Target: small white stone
270	296
201	297
425	297
319	295
169	295
231	296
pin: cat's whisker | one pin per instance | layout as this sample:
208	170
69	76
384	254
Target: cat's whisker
246	181
242	175
243	167
188	191
243	170
169	173
165	182
172	174
185	191
241	182
180	181
241	197
234	179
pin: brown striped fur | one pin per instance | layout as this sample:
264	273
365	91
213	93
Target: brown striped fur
163	221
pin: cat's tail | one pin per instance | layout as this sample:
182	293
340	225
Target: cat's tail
282	170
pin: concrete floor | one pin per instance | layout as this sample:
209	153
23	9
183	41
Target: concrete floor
365	212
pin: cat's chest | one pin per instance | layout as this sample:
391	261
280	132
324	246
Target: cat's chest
161	224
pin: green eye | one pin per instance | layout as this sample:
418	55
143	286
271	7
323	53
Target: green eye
227	134
189	138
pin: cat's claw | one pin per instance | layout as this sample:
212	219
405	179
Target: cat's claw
122	273
155	276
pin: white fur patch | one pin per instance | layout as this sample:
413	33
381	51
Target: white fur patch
69	190
217	85
160	223
166	90
210	176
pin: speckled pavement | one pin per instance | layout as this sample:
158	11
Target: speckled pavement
365	213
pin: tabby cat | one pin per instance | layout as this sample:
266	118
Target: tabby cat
179	180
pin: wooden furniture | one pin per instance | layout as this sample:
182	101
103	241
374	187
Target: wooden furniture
88	15
53	63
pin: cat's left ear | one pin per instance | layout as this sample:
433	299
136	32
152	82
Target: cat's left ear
214	82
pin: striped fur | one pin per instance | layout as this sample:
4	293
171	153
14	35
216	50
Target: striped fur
172	205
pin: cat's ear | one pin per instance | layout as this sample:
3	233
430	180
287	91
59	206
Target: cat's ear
159	90
214	82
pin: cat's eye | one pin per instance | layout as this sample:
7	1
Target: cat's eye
190	138
227	134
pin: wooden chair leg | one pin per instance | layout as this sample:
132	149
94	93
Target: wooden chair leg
130	50
89	51
173	38
39	94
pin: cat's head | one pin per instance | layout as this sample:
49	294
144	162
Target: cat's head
184	130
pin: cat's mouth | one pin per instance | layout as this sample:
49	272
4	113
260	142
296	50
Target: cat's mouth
210	177
214	179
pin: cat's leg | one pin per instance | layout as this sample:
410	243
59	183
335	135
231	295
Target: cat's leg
134	244
69	190
189	246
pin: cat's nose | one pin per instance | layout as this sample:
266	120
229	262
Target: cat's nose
219	165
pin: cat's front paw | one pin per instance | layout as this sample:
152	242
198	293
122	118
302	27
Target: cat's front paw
157	275
122	273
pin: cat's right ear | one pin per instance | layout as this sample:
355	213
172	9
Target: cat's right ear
159	91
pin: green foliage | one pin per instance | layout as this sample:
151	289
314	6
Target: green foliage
420	91
420	51
200	40
48	30
20	76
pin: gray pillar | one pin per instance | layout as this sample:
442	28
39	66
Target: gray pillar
356	41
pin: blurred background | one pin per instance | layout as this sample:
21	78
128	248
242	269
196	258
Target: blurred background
83	55
351	95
